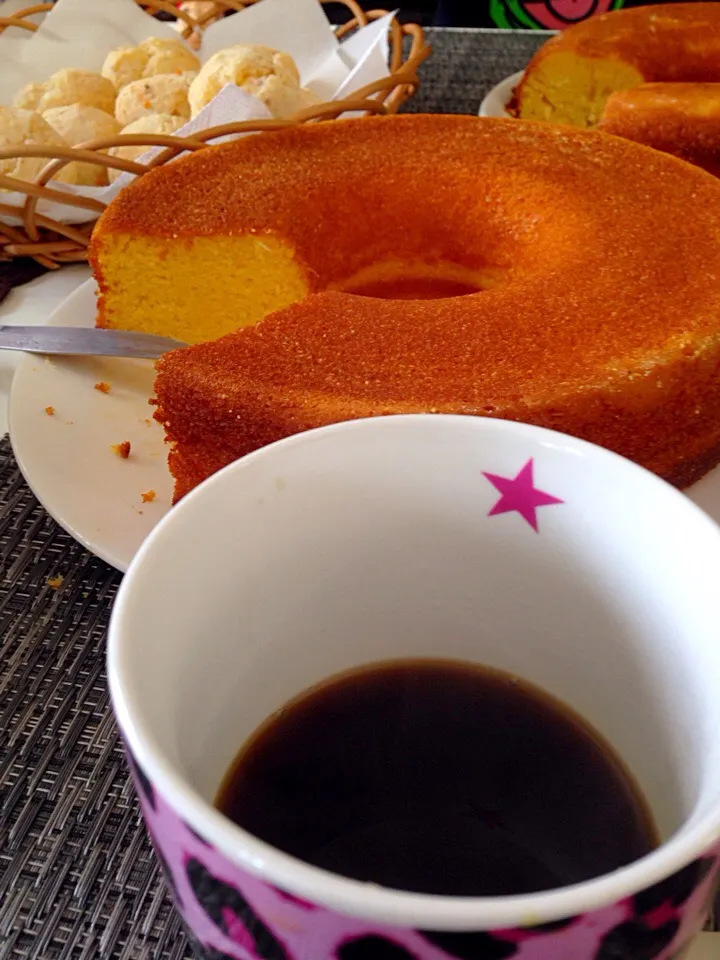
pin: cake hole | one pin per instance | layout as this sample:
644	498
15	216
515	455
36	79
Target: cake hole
413	288
395	280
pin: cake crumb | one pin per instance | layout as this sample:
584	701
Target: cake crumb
121	449
50	411
148	496
55	582
103	386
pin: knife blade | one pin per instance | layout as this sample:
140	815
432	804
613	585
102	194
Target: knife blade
85	342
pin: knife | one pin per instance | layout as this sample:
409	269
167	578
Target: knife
85	342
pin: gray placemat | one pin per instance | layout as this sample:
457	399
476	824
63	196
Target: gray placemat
77	876
465	64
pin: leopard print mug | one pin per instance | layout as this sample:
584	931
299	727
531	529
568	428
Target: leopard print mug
424	535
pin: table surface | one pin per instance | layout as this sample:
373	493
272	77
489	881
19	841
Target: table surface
78	880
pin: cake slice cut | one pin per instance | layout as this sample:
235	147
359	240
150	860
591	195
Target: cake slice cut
571	76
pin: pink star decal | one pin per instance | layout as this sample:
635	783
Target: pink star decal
519	493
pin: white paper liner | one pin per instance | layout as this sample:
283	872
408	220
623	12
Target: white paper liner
80	34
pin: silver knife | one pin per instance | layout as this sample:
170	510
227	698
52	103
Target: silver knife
85	342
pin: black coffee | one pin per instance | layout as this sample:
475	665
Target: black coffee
439	777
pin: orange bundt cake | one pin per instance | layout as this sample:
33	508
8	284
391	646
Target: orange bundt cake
572	75
594	264
678	118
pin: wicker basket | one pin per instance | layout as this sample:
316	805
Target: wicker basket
53	244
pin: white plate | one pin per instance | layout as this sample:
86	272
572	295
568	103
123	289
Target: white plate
67	458
497	99
67	461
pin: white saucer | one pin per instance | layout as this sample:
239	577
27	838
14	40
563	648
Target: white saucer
497	99
67	458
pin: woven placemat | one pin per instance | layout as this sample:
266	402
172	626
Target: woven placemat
77	877
466	64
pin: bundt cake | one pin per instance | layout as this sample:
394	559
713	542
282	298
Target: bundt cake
572	75
679	118
594	266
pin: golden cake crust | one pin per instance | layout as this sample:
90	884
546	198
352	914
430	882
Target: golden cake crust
678	118
604	323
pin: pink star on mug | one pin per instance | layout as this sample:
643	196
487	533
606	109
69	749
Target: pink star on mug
520	494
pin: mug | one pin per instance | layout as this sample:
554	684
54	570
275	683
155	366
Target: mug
424	536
